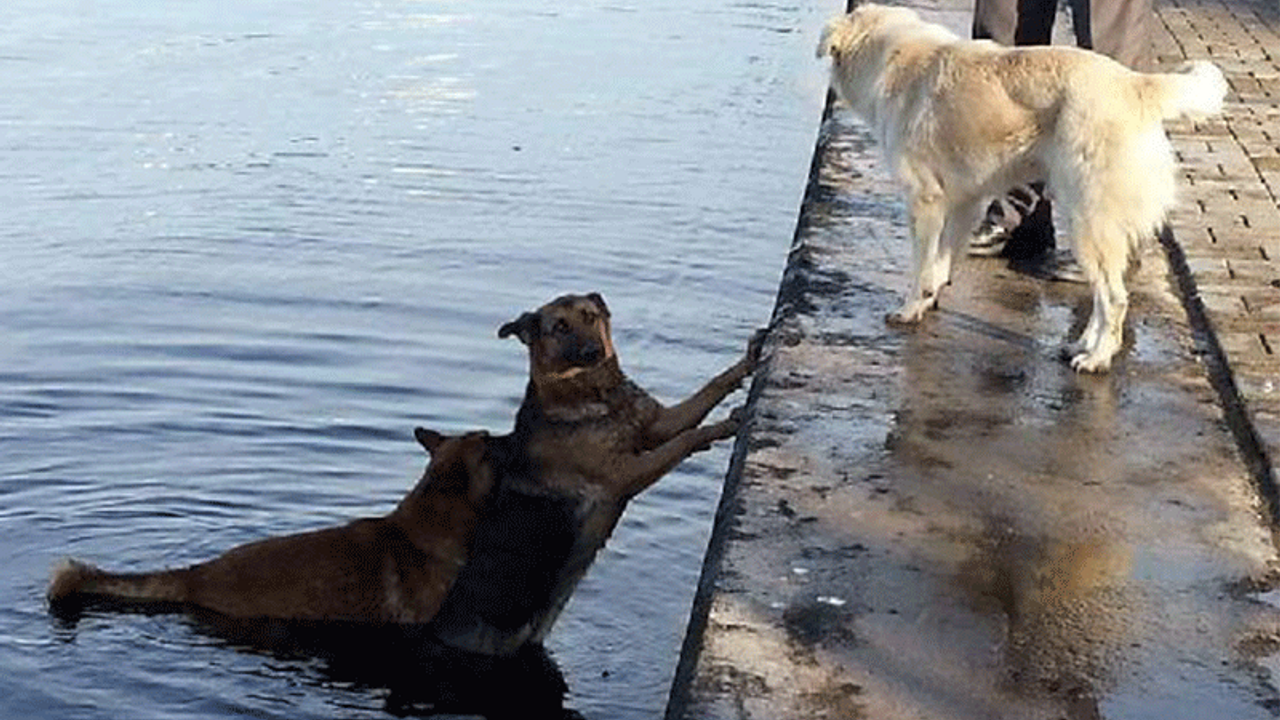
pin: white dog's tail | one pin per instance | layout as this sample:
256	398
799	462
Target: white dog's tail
1195	91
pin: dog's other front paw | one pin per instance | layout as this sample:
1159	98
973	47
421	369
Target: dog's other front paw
723	430
729	426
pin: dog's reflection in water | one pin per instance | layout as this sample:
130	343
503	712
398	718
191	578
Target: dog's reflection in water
411	673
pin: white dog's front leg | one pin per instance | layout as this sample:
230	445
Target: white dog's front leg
930	268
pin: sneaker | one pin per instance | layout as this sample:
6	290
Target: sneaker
1064	268
989	239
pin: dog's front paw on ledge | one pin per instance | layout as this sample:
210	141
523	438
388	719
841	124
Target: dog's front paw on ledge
725	429
750	361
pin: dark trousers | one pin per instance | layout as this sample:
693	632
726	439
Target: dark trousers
1120	29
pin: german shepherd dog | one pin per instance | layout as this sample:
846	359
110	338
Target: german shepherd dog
392	569
586	441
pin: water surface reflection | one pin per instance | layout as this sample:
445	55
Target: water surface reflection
249	245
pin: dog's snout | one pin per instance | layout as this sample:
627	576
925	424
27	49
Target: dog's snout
583	352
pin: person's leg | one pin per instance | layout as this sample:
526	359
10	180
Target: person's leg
995	20
1119	29
1032	239
1014	22
1020	225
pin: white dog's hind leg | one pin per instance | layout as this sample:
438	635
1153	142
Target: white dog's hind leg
1104	260
1089	337
928	215
1109	334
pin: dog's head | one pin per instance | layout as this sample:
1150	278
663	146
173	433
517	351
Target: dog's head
565	336
845	35
458	466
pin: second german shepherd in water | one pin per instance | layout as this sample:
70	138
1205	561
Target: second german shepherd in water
393	569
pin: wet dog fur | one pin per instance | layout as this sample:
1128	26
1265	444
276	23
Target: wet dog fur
586	440
392	569
962	121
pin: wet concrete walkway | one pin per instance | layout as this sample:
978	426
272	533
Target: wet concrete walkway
950	523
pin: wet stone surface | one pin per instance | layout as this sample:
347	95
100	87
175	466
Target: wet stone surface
947	522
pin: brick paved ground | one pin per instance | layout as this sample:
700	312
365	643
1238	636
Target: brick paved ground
1228	222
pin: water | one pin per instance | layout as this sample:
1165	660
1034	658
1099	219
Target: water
246	245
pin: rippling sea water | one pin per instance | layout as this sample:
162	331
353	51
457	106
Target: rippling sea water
248	244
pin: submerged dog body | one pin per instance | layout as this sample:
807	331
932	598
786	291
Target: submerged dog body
586	441
393	569
962	121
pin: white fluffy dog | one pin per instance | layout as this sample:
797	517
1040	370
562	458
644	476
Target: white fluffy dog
962	121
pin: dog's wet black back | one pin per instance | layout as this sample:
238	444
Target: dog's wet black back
518	554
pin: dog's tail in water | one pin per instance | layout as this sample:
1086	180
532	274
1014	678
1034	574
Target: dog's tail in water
73	581
1194	91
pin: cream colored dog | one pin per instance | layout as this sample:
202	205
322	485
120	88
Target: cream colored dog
962	121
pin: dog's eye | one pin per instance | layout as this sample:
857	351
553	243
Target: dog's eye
561	326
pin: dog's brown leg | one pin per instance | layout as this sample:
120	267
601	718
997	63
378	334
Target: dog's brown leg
644	469
679	418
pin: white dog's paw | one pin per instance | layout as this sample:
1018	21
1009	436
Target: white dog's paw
1091	362
911	313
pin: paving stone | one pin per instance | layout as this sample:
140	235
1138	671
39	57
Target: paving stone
1229	216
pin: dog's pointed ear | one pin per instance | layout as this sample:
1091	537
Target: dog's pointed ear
598	299
428	439
526	327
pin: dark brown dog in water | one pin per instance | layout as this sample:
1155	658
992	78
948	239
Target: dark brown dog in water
584	425
393	569
586	441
